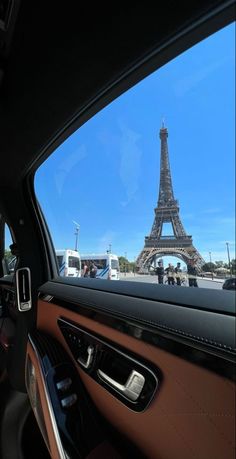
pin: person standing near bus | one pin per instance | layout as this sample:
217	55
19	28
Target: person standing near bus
93	270
85	270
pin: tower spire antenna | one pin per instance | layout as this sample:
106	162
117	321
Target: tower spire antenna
163	123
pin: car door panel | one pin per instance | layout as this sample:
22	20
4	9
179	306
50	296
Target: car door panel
193	409
202	323
65	416
45	421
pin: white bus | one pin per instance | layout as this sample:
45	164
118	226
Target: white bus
69	263
107	265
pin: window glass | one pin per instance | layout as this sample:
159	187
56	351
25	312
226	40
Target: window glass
151	177
74	262
114	264
9	261
101	264
59	260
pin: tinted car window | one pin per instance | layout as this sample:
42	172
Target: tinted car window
152	174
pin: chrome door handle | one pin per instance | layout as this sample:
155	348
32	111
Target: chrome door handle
131	389
87	363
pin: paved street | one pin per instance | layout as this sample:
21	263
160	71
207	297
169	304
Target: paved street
203	283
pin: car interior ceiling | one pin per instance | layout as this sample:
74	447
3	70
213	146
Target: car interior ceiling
60	63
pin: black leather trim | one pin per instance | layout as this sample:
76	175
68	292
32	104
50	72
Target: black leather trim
7	281
211	331
220	301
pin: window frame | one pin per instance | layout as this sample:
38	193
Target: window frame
199	30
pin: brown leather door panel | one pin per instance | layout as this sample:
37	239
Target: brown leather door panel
46	421
191	415
70	424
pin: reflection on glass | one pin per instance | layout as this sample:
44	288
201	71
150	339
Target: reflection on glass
121	173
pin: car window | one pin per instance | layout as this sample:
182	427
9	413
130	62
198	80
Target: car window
150	178
9	260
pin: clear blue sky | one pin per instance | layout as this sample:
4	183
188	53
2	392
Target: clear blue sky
106	175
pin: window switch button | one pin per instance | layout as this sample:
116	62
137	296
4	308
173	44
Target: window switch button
69	401
64	384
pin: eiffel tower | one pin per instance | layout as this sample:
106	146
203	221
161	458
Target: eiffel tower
167	211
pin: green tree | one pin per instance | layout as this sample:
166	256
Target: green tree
132	266
233	266
219	264
209	267
125	265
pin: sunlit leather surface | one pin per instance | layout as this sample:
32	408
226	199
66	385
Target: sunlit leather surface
193	414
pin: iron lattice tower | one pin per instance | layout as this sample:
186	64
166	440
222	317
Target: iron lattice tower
167	211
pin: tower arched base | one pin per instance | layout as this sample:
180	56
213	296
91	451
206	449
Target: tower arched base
148	255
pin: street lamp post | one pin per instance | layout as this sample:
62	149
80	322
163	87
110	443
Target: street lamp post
211	266
230	267
76	235
76	238
109	250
